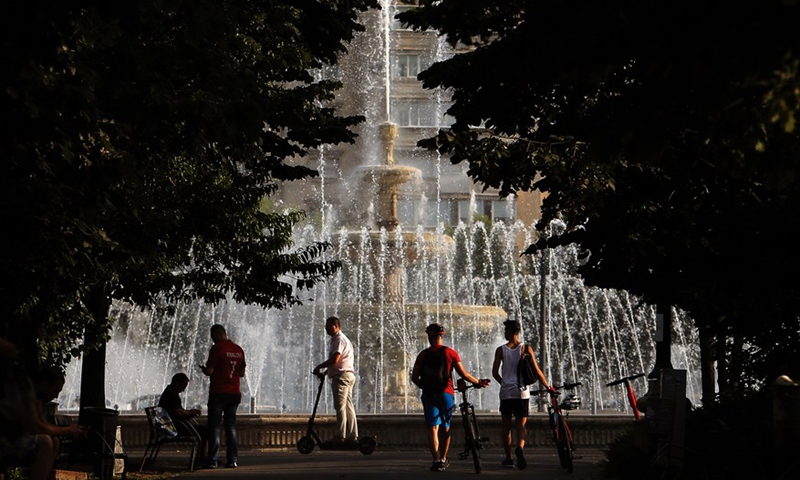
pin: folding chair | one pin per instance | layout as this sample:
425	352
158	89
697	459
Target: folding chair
163	431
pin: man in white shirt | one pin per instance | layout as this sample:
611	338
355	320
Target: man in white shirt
514	398
339	367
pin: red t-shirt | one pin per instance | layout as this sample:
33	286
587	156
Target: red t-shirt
227	359
451	357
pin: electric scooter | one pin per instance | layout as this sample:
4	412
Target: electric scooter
305	445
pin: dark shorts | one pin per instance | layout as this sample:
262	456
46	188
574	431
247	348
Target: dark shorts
19	453
515	406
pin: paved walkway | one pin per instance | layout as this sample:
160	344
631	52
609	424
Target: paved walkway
386	465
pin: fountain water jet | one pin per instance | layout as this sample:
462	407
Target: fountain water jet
397	278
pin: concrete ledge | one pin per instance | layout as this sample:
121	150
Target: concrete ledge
399	431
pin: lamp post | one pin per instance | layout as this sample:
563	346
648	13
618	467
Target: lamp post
544	269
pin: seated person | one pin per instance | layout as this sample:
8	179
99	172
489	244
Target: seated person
171	402
37	448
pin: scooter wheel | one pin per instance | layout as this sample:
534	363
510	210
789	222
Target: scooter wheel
305	445
366	445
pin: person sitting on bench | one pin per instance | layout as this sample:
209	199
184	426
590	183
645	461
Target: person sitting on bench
171	402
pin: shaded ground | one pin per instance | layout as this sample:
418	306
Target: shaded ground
284	464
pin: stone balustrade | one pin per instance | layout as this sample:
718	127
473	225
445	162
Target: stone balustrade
399	431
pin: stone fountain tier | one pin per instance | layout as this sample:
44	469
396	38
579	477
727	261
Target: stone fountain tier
394	246
389	175
456	318
383	181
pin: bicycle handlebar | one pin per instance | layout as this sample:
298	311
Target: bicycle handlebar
624	379
461	384
554	390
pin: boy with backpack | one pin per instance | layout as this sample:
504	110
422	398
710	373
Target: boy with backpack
433	374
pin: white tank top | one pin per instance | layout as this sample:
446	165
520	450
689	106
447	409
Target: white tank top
509	387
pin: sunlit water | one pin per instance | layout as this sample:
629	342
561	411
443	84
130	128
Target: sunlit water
593	335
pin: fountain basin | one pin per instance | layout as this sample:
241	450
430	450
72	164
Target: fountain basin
389	175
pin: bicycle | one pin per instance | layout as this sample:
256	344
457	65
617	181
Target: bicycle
473	439
629	391
562	435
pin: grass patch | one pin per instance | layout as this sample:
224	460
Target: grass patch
153	475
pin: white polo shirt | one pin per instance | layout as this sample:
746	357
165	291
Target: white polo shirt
341	344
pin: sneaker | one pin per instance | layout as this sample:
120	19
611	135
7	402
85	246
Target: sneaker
521	463
437	466
445	464
210	465
507	463
231	464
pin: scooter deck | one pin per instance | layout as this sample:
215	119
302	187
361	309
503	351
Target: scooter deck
339	445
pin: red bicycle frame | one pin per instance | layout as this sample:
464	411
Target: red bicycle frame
629	390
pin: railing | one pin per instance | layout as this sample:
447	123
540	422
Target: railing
391	430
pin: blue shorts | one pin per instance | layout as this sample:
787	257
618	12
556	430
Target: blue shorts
438	409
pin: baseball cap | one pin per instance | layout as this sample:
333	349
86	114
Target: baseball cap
435	329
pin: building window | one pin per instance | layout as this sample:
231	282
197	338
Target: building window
453	211
495	210
426	212
328	72
464	211
502	210
413	114
407	65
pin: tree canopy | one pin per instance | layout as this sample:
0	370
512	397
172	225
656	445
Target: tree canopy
140	141
664	134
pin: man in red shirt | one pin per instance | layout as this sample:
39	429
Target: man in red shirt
438	405
225	366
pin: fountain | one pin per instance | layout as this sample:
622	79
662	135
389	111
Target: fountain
397	277
390	253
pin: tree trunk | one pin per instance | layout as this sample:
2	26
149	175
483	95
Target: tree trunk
93	374
707	373
93	371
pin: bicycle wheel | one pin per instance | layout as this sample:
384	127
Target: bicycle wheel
471	434
564	445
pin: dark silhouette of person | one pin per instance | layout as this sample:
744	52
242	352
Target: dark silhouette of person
225	366
171	402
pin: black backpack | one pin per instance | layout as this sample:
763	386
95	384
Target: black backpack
526	370
435	373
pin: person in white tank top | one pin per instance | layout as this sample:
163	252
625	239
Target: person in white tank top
514	398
